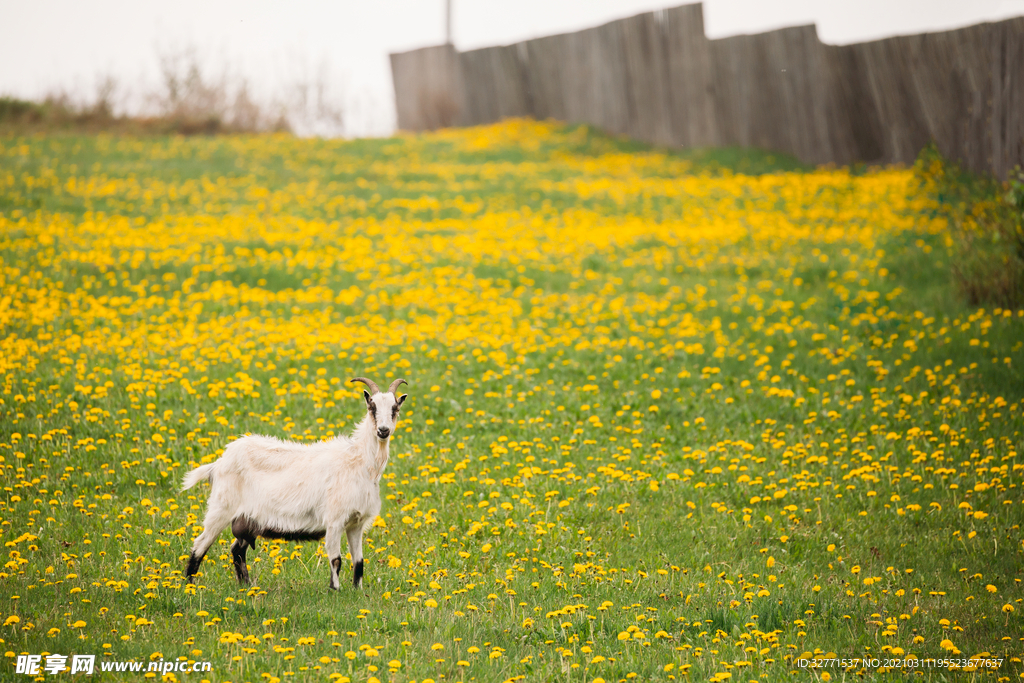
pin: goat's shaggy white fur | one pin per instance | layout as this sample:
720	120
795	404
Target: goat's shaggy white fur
263	486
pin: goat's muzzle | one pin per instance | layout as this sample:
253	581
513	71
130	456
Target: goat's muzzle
383	432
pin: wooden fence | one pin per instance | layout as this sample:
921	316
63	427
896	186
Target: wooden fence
656	77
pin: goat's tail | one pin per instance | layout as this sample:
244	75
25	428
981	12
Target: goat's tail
201	473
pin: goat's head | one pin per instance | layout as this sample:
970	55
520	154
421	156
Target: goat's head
383	406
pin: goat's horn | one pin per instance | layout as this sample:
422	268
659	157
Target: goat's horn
368	382
396	384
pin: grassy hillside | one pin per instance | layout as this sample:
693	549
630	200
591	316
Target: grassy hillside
671	416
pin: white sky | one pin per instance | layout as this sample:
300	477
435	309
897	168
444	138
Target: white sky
51	45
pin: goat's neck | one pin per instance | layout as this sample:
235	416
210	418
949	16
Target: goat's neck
374	451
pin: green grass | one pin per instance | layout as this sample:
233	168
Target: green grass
836	366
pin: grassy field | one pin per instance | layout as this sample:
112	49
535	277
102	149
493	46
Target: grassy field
671	417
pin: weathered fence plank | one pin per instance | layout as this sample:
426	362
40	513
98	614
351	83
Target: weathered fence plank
771	91
643	45
854	126
544	71
1008	75
690	85
495	77
613	109
428	88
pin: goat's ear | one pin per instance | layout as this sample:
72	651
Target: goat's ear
401	399
366	395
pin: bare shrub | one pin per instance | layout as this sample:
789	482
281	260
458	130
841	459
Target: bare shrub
197	97
61	110
191	97
107	88
312	100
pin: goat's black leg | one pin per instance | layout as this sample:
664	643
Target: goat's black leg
357	574
335	581
214	523
245	532
355	548
238	549
194	561
332	546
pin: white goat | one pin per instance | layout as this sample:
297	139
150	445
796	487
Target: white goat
267	487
